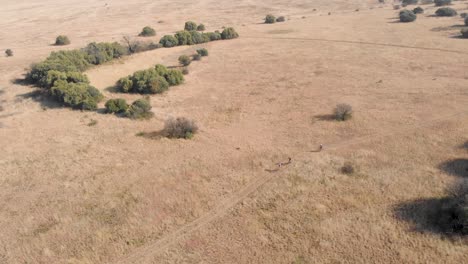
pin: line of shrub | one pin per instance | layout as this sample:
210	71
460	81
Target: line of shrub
139	109
190	36
151	81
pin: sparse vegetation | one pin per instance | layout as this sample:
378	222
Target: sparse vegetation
190	26
62	40
185	71
343	112
201	27
446	12
407	16
229	33
151	81
180	127
281	19
185	60
270	19
8	52
140	109
442	2
418	10
147	32
116	106
203	52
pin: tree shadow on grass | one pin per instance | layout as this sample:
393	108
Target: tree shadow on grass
464	145
41	97
456	167
152	135
328	117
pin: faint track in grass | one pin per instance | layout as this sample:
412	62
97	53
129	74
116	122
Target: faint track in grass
145	253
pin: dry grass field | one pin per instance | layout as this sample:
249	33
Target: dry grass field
82	187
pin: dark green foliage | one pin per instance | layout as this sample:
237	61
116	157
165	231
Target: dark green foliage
174	77
229	33
180	127
446	11
343	112
140	109
161	69
196	57
418	10
198	38
99	53
70	77
125	84
76	95
189	26
281	19
203	52
213	35
407	16
270	19
410	2
169	41
442	2
116	106
201	27
147	32
464	33
8	52
62	40
185	60
184	38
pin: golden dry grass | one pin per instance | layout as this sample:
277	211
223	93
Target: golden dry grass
75	193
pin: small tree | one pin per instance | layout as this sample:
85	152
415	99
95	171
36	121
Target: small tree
168	41
8	52
116	106
180	127
407	16
229	33
148	32
281	19
62	40
343	112
185	60
190	25
201	27
203	52
446	12
270	19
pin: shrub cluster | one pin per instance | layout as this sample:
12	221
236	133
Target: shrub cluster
116	106
185	60
442	2
190	26
147	32
62	40
418	10
201	27
140	109
202	52
8	52
151	81
79	95
180	127
270	19
410	2
407	16
190	36
446	11
99	53
343	112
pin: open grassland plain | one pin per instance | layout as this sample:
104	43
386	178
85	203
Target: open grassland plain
89	187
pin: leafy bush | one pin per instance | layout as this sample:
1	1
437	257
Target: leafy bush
147	32
270	19
229	33
99	53
446	11
180	127
8	52
442	2
189	26
343	112
464	33
281	19
184	37
116	106
76	95
125	84
174	77
198	38
203	52
410	2
418	10
201	27
151	81
213	36
169	41
70	77
62	40
140	109
185	60
407	16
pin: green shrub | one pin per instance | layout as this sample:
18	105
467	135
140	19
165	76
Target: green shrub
201	27
140	109
161	69
189	26
407	16
464	33
174	77
343	112
8	52
147	32
418	10
185	60
196	57
442	2
99	53
180	128
212	36
184	38
62	40
70	77
116	106
203	52
125	84
446	11
169	41
198	38
270	19
410	2
76	95
229	33
281	19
